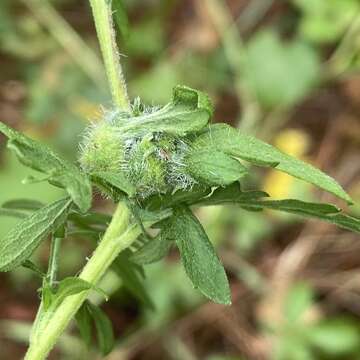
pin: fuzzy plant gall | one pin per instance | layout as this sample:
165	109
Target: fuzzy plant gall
147	149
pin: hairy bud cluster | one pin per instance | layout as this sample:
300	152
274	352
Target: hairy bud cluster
153	162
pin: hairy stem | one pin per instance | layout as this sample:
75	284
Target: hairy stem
106	35
120	233
118	236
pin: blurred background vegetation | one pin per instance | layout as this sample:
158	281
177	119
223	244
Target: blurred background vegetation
287	71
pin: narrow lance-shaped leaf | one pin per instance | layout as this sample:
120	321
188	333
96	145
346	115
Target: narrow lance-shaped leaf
23	204
198	256
13	213
227	139
325	212
60	172
84	323
67	287
104	329
18	245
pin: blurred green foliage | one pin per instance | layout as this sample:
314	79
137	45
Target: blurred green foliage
325	21
278	73
300	337
280	69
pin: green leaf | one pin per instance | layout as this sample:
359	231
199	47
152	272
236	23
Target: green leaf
189	111
169	200
22	204
149	218
26	236
127	271
325	212
13	213
224	138
41	158
90	220
116	180
198	256
289	73
84	322
67	287
214	168
104	329
120	17
230	195
153	251
334	336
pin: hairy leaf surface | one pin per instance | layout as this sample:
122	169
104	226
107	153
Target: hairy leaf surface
198	256
190	110
60	172
227	139
26	236
214	168
153	251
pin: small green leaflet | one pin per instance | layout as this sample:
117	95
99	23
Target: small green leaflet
12	213
189	111
214	168
127	270
53	298
224	138
198	256
67	287
84	323
19	208
231	194
41	158
325	212
104	329
22	240
23	204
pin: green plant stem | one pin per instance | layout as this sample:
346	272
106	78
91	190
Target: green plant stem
119	235
105	31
